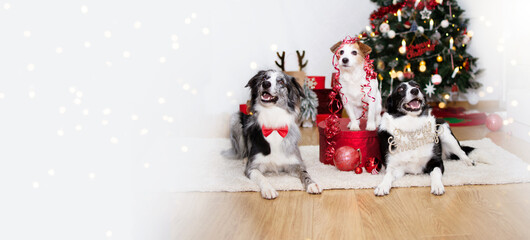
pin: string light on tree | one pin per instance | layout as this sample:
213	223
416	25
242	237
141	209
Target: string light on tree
400	75
455	72
422	67
431	24
403	48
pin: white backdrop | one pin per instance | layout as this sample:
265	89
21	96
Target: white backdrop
98	97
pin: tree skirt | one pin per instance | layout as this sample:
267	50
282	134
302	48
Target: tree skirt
456	117
202	168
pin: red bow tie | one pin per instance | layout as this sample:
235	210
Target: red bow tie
282	131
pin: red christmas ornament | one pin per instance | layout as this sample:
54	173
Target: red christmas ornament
408	75
407	24
494	122
347	158
454	88
358	170
373	166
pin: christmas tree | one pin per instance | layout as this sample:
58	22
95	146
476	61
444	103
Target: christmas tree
423	40
308	106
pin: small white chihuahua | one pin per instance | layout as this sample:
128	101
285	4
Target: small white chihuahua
352	76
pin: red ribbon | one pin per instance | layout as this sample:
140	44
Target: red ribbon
282	131
370	75
383	12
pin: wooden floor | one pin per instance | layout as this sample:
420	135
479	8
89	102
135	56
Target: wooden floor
464	212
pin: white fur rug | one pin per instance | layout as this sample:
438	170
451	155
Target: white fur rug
207	170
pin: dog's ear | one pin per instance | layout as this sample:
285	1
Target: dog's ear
295	88
389	102
365	49
300	89
335	47
254	80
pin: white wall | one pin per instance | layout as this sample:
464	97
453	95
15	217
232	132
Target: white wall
92	93
500	41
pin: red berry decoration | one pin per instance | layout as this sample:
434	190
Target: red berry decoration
358	170
347	158
373	166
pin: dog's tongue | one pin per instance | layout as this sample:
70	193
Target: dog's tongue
414	104
266	96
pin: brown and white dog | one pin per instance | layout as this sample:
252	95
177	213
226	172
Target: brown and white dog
352	76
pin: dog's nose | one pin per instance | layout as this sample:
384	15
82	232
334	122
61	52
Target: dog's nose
266	84
345	60
414	91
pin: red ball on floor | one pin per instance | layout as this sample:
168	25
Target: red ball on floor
494	122
347	158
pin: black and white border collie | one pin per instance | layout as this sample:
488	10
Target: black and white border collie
269	137
408	142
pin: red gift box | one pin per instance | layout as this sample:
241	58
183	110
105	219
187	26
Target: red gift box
243	108
322	117
317	82
367	141
324	100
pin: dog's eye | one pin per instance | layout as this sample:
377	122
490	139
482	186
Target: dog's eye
281	82
401	89
354	53
341	52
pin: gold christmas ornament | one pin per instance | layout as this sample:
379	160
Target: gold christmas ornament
439	58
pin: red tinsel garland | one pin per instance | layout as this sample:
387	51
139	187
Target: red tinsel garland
383	11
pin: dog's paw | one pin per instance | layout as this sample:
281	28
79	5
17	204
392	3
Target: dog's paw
382	190
370	126
269	193
468	161
313	188
354	126
437	189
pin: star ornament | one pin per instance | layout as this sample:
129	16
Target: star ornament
429	89
425	14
